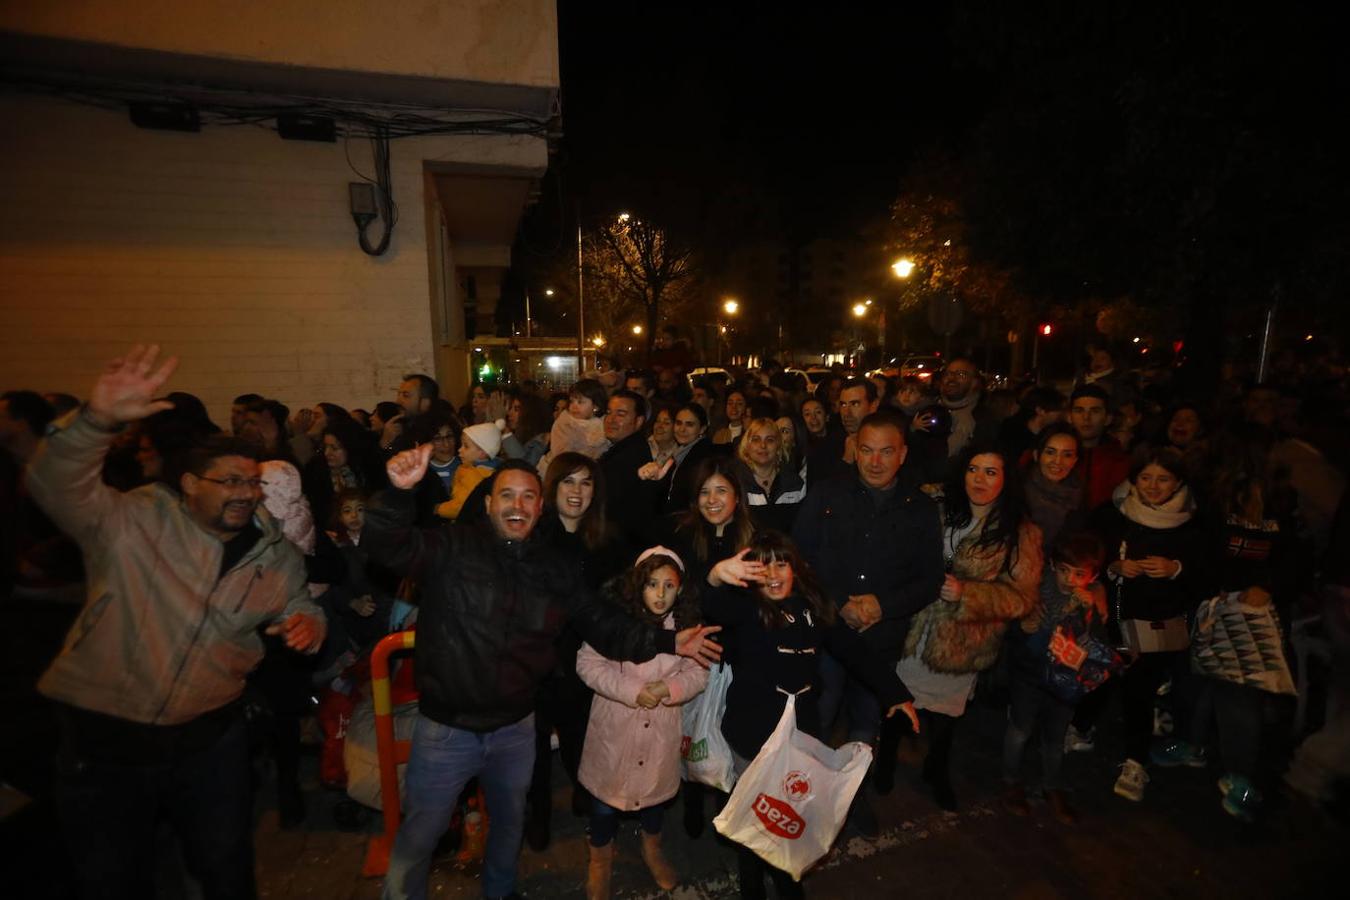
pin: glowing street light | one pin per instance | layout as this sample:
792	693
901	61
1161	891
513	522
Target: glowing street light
548	292
598	340
903	267
731	307
637	329
860	309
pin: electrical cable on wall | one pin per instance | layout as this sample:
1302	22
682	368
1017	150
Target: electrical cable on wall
384	206
380	123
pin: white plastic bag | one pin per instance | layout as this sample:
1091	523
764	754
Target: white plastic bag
791	802
704	754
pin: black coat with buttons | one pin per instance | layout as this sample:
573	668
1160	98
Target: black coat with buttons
774	661
856	547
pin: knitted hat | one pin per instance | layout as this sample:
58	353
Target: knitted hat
488	436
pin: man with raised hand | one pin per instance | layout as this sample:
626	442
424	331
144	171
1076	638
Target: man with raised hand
494	600
149	678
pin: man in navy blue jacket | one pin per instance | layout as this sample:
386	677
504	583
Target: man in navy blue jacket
875	543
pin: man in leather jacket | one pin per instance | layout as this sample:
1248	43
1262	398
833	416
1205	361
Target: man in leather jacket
494	601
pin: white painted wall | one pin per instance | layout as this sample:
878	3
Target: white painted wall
232	248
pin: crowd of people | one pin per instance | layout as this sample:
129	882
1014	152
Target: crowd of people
884	549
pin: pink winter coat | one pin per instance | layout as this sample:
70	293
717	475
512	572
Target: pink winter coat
632	755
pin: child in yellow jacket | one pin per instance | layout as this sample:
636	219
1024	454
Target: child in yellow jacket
478	449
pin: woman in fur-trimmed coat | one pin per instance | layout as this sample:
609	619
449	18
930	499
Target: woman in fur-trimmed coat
993	557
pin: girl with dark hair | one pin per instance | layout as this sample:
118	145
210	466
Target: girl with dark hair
631	760
716	524
574	521
1054	490
1154	546
734	407
993	554
692	446
346	460
776	615
527	428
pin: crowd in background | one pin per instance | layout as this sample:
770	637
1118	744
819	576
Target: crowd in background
1057	511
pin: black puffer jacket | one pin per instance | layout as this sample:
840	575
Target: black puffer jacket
491	613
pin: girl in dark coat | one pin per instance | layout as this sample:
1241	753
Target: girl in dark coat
1155	550
781	626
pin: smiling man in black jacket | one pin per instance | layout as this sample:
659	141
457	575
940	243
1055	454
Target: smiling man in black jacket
493	604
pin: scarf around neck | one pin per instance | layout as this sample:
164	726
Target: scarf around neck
1175	512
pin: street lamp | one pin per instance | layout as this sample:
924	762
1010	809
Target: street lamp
730	307
860	309
903	267
637	329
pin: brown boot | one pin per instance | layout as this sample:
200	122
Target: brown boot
599	872
656	861
1060	808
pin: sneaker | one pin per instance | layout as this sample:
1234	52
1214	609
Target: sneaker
1173	753
1076	741
1132	781
1241	799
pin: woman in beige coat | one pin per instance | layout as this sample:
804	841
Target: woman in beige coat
631	760
993	554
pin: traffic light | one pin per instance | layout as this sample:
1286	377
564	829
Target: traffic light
1046	329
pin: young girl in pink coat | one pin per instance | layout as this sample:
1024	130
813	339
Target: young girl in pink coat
631	760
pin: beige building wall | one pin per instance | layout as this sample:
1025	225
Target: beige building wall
490	41
231	247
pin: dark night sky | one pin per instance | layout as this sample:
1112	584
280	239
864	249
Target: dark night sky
746	117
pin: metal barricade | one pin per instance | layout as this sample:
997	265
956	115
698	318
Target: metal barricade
391	752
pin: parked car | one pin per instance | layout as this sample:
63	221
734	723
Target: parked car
718	376
923	368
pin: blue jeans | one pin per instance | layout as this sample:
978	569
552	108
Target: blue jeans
443	760
838	688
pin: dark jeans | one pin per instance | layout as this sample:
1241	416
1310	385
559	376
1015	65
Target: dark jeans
1034	710
839	688
605	821
109	811
564	703
1236	710
1139	688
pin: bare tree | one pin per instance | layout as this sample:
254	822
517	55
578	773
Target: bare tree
634	264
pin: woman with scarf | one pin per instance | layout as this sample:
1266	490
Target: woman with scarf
1155	550
1054	490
